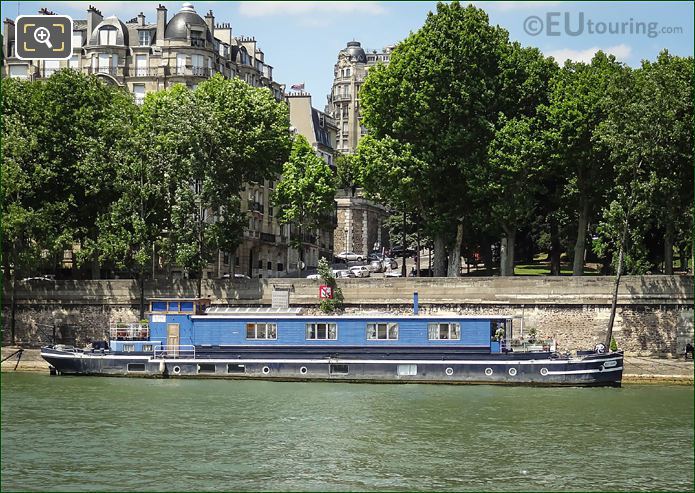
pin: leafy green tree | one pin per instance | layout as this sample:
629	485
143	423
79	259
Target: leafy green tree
231	134
305	194
650	127
578	104
328	279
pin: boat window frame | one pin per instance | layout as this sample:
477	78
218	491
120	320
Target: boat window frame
328	325
128	348
266	331
437	326
389	327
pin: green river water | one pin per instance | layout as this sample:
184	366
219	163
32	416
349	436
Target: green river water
105	434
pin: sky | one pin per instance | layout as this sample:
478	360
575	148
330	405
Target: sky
301	39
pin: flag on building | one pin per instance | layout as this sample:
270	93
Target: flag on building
298	87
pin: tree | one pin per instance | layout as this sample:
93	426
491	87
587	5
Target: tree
650	124
305	194
442	93
228	133
329	305
578	104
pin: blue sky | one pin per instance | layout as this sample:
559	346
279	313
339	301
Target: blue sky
301	39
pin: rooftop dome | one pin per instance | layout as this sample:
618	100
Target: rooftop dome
354	49
176	27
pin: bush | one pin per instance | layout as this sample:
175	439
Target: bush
327	278
614	344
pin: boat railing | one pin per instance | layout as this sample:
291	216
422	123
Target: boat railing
129	331
174	351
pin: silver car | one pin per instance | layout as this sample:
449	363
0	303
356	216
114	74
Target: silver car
377	266
349	256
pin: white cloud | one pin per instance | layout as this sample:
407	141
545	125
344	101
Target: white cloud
263	9
622	52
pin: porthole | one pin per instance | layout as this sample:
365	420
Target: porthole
265	370
449	371
488	371
176	370
303	370
544	371
512	372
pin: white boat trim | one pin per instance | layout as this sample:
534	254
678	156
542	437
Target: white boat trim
592	370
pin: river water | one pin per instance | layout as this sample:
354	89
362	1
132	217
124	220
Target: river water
106	434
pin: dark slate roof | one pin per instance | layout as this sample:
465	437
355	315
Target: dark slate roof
79	24
121	37
354	49
176	27
320	132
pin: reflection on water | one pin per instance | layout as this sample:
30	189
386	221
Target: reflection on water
89	433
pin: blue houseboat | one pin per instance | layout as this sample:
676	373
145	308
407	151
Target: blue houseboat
190	338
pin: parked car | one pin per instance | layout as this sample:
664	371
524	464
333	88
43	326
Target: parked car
313	276
375	256
397	251
360	271
393	273
349	256
49	277
343	274
377	266
236	276
390	263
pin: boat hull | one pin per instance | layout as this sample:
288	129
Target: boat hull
351	364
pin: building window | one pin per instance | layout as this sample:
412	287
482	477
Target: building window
261	331
140	65
322	331
270	265
382	332
281	267
50	67
76	39
128	348
107	35
75	62
180	63
145	38
260	263
444	331
139	93
18	71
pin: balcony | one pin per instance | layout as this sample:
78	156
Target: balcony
198	42
342	97
112	71
200	71
119	331
268	237
256	207
144	72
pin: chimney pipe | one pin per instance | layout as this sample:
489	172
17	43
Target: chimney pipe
161	24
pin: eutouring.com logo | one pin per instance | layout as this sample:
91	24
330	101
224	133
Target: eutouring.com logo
577	24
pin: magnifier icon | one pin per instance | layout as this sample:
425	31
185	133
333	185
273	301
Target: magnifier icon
43	35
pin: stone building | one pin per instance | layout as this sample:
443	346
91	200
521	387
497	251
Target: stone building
360	221
320	130
187	48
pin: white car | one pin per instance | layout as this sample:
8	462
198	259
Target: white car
393	273
313	276
349	256
343	274
360	271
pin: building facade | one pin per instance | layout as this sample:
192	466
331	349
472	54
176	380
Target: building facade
360	222
187	48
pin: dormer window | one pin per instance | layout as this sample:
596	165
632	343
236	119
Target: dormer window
107	35
145	38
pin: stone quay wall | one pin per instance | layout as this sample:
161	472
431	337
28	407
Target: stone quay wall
654	315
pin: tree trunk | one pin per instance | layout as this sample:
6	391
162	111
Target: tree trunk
299	252
13	309
439	256
404	272
580	245
141	285
507	252
200	284
455	261
96	269
486	252
555	248
668	249
417	255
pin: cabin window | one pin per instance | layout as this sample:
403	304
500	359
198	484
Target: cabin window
173	306
407	370
382	331
444	331
206	368
136	366
233	368
128	348
159	306
322	331
261	331
338	369
147	348
186	306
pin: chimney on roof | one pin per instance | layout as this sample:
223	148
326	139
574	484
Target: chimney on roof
210	21
161	23
141	19
45	11
94	17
